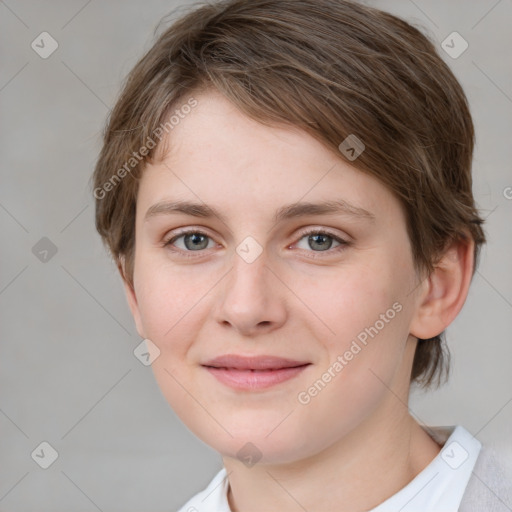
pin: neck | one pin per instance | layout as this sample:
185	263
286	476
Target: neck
356	473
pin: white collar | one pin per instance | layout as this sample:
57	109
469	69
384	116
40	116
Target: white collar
441	485
438	488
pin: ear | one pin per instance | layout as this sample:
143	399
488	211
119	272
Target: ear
444	290
131	297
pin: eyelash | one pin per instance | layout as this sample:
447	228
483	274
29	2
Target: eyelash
343	243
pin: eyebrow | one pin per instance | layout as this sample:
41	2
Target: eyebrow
299	209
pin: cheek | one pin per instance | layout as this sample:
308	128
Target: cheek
364	328
362	357
168	303
350	300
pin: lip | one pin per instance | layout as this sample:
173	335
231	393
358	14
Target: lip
253	372
263	362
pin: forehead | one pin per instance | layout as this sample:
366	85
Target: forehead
219	156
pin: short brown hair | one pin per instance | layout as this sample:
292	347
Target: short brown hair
333	68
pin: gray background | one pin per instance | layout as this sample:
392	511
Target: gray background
68	374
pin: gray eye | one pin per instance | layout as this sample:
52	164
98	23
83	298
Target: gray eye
319	242
196	241
193	241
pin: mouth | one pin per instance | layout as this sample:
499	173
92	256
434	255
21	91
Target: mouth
253	373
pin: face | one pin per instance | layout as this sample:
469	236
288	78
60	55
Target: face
330	290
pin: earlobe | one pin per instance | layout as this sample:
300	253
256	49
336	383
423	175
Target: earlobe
131	298
445	291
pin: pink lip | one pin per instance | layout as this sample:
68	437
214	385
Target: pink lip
254	372
253	362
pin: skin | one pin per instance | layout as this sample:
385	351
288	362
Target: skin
355	443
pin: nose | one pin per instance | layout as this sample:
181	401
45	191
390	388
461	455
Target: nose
252	300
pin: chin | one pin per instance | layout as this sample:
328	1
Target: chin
280	447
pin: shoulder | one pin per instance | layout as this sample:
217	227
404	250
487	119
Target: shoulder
490	485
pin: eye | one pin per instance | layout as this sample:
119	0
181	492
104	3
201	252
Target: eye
193	240
322	241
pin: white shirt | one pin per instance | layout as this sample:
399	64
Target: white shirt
438	488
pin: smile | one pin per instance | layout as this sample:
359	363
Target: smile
251	379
